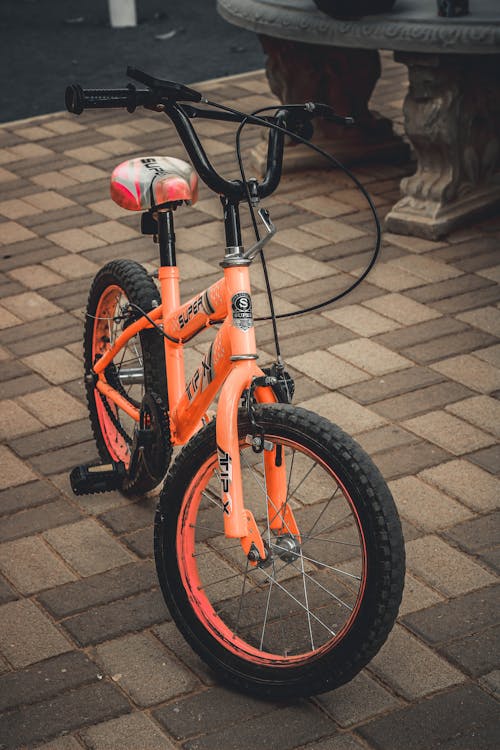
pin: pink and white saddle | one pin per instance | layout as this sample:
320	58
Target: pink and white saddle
153	182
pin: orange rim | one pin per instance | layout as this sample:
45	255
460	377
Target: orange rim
105	331
273	616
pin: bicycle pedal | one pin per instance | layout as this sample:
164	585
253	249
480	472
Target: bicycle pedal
90	480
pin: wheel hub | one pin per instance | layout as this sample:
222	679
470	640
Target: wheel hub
287	547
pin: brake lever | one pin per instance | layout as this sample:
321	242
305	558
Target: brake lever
271	231
327	113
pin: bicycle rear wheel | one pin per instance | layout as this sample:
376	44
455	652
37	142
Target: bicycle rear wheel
322	606
117	291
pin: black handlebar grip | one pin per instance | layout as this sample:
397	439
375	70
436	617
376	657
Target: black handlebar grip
78	99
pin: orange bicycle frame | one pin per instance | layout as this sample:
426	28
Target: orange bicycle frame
229	367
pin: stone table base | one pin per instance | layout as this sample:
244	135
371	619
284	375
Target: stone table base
452	118
343	78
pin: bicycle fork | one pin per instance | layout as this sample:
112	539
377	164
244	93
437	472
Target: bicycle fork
239	522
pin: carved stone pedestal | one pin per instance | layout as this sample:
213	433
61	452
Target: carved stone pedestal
343	78
452	118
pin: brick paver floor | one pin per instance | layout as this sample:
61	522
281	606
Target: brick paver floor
409	363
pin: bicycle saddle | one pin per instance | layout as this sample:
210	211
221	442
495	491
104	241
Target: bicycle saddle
152	182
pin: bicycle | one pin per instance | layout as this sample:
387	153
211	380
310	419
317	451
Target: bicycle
277	543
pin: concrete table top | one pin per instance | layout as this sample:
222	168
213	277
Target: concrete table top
412	26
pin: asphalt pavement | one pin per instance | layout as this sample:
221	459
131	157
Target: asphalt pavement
46	44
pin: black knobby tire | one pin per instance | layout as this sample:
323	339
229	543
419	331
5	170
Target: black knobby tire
116	284
292	649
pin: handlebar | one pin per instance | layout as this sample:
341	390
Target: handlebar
173	98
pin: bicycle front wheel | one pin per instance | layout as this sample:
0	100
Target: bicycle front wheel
322	605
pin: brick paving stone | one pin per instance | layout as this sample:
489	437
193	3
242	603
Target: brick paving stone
425	506
36	276
475	654
359	700
327	369
350	416
65	742
337	742
26	496
476	534
75	240
85	705
7	593
27	635
201	713
53	406
445	568
360	320
490	354
36	519
325	205
441	290
72	266
169	634
143	668
392	384
46	679
117	618
16	421
31	566
385	438
305	342
288	728
488	458
472	372
302	267
53	180
37	328
49	200
492	273
393	279
447	431
75	541
411	669
140	542
65	459
13	232
370	356
15	208
12	470
417	595
420	401
428	269
414	244
409	459
469	301
491	682
112	231
421	333
134	515
399	307
102	588
8	319
57	365
29	306
461	719
447	346
470	484
129	732
481	411
64	435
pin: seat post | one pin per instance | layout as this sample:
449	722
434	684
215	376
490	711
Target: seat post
166	238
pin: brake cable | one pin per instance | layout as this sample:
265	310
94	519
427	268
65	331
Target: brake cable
337	164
